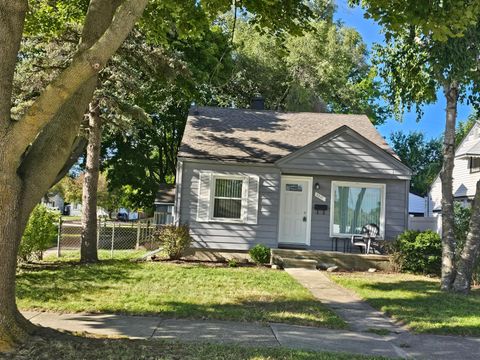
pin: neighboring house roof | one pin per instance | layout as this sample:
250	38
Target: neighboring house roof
165	194
264	136
473	151
469	144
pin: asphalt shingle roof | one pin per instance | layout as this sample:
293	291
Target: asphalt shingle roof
261	135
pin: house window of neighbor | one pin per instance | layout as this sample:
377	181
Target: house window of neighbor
355	205
474	164
227	201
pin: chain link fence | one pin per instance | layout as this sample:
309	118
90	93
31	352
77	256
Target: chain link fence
112	235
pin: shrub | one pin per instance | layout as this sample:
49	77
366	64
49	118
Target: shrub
260	254
232	263
174	240
462	222
418	252
40	233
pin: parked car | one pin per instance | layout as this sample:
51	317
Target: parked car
122	216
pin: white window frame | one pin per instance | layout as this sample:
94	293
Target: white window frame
473	169
244	198
380	186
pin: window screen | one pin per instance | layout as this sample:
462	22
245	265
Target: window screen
228	198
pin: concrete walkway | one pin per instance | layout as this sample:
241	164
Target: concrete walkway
359	315
402	345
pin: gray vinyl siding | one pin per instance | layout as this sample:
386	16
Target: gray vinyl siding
396	198
231	236
346	155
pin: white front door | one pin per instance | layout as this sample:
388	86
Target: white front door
295	210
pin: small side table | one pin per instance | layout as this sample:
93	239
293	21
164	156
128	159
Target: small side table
346	243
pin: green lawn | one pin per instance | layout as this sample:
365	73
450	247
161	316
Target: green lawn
417	301
71	218
171	290
74	348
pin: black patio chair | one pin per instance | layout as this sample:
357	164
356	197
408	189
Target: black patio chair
364	240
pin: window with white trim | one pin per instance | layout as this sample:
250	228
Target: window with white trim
474	164
354	205
227	198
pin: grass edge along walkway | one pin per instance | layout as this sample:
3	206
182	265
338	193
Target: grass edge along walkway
417	301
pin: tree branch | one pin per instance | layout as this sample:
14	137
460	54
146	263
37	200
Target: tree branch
84	66
39	168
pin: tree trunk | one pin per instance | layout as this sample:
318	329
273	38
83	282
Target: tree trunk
13	327
88	251
469	254
448	235
22	184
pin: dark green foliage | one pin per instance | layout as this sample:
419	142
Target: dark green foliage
464	127
260	254
422	156
232	263
39	235
174	240
418	252
462	220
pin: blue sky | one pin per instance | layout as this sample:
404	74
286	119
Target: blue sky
433	120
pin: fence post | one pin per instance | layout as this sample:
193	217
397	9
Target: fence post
59	236
113	240
137	245
99	225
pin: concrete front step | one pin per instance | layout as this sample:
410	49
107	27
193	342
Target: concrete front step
324	259
309	264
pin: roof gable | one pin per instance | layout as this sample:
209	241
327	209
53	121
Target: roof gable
347	151
470	145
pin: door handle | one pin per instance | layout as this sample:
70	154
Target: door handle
304	219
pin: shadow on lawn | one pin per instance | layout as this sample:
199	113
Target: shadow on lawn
300	312
53	281
71	283
424	307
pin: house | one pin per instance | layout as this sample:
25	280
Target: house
164	203
293	180
466	173
53	201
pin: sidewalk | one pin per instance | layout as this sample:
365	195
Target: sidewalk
359	315
404	345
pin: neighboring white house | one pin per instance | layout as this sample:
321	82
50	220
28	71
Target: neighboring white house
466	173
73	209
53	202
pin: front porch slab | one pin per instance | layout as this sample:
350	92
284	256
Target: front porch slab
344	261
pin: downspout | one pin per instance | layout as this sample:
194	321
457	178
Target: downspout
407	207
178	192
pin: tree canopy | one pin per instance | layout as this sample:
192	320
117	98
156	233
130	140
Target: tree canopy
423	156
441	19
324	69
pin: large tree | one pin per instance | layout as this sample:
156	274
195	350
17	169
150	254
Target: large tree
423	156
35	146
430	49
36	143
